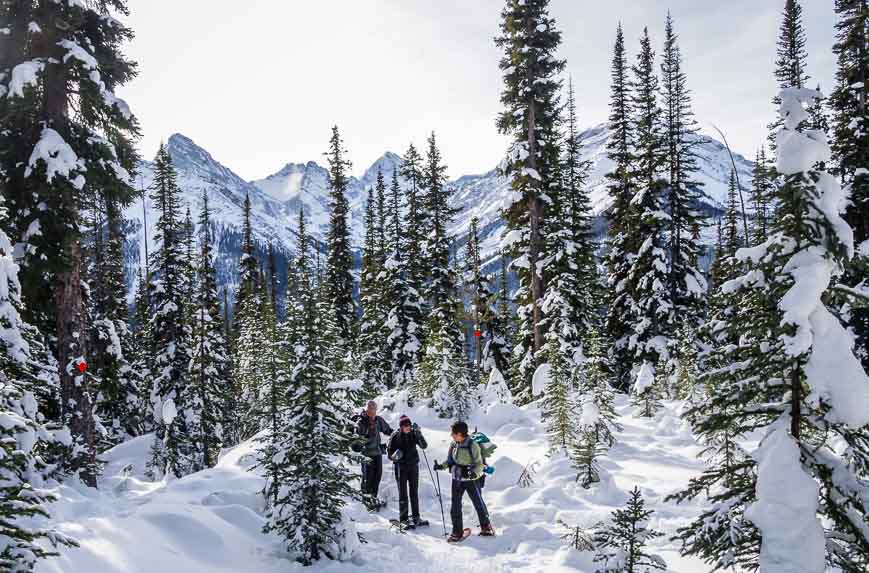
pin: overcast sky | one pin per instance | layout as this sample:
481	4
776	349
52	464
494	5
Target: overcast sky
259	83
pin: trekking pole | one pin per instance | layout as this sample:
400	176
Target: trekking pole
438	486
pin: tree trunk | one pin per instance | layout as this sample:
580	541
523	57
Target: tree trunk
535	210
70	312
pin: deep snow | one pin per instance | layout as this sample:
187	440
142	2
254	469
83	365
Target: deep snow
211	521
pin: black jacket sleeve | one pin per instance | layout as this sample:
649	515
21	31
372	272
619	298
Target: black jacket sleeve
420	439
393	445
384	427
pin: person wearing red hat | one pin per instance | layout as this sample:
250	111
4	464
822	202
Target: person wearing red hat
405	457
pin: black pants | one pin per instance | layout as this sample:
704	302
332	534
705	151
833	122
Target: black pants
473	490
372	471
407	477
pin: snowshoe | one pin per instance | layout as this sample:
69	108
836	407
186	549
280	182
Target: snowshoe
487	531
402	526
376	505
458	539
419	522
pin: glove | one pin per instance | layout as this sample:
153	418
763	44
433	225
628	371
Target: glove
415	427
439	467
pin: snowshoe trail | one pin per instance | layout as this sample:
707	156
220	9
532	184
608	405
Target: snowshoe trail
211	521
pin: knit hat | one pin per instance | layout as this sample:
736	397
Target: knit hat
404	420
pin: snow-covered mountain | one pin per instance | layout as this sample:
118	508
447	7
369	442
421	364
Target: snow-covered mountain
276	199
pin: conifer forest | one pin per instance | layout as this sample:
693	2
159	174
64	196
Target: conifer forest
628	348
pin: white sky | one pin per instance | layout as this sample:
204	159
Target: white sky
259	83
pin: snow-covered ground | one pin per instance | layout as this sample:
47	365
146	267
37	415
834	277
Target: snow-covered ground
211	521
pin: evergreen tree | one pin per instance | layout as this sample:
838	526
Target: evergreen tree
849	103
248	279
647	389
66	108
652	311
559	403
142	353
403	307
593	382
119	385
312	484
685	281
529	40
23	491
622	216
761	196
373	347
577	202
413	237
772	379
621	545
339	265
790	62
209	372
168	324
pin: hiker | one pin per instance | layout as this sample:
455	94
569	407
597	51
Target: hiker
370	426
402	451
465	464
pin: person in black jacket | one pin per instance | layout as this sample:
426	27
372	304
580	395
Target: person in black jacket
402	451
370	426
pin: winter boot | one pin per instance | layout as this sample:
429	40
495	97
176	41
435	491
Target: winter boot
487	531
418	522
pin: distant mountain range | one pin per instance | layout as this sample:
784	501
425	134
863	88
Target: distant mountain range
276	199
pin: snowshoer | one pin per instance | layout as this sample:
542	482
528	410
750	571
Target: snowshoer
370	426
465	464
403	453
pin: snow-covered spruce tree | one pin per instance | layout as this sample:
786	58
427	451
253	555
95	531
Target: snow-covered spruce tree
762	179
248	275
849	104
577	203
529	40
795	376
339	264
401	302
312	484
560	296
372	343
593	382
622	242
621	544
685	280
443	376
441	290
558	406
721	535
117	398
686	373
652	312
491	349
497	351
67	141
477	290
141	355
23	435
413	236
167	296
790	63
597	423
209	374
646	392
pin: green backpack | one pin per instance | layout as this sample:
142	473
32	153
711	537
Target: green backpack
487	446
